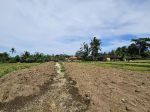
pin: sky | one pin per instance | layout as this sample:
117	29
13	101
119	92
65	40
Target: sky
60	26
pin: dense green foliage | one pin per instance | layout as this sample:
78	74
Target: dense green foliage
90	52
84	51
4	57
140	48
30	58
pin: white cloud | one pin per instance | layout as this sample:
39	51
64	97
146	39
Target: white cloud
43	24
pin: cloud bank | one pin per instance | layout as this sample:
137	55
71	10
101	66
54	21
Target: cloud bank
60	26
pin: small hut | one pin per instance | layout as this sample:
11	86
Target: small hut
73	58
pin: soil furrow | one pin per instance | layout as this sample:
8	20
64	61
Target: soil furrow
56	94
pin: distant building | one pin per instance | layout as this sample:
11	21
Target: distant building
108	59
104	58
72	58
115	58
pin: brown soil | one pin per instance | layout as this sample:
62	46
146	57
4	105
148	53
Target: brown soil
19	87
44	88
110	89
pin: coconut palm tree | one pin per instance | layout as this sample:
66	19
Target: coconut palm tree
13	50
95	47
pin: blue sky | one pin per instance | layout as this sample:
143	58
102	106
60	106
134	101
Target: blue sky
60	26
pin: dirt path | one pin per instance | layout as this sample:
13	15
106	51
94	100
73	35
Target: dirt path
64	99
58	96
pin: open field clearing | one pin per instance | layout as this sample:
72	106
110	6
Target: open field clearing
141	65
75	87
42	88
74	56
20	87
6	68
111	89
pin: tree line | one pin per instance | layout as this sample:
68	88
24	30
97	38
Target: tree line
27	57
138	49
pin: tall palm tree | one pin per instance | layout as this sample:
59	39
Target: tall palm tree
95	47
13	50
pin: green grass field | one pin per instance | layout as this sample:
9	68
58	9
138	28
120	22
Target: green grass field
138	65
6	68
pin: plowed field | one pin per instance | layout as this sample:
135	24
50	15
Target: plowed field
111	89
